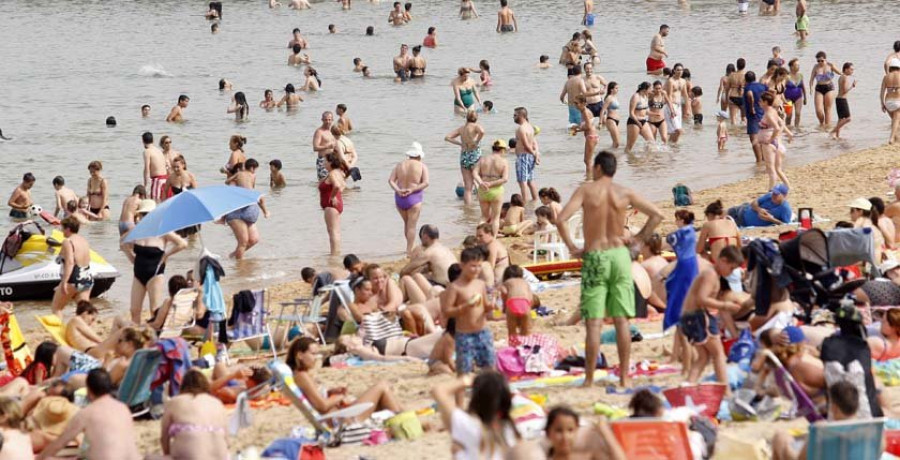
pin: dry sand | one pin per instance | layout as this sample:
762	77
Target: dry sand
825	186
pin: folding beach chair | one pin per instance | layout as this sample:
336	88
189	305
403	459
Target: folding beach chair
327	425
182	313
312	316
253	325
653	439
55	327
134	390
341	297
802	406
851	439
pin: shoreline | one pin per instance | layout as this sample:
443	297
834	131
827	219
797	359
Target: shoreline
858	173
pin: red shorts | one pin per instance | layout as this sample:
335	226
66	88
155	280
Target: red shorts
655	64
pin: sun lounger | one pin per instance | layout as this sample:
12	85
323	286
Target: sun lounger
803	406
134	390
653	439
182	314
850	439
55	327
325	425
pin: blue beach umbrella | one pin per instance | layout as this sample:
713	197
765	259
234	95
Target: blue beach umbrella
192	207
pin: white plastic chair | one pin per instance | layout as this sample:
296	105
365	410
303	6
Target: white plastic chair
554	246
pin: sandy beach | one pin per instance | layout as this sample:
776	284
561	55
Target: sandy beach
825	186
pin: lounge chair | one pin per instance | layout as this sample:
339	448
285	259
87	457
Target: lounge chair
313	313
253	324
182	314
55	327
851	439
134	390
325	425
653	439
341	296
802	404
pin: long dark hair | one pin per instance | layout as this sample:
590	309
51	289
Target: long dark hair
43	355
243	107
492	401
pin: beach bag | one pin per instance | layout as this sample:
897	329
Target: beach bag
682	195
536	360
510	362
405	425
352	433
744	348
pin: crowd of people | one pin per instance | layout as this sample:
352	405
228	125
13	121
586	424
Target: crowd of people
437	307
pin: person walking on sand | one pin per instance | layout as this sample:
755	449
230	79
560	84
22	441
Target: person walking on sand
409	179
890	98
607	289
155	168
506	19
846	83
655	63
470	135
527	154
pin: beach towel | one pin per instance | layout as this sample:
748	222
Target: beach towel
684	241
888	372
212	296
176	361
647	368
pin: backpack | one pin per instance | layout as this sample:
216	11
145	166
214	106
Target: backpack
682	195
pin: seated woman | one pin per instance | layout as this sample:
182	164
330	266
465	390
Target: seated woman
807	370
514	223
415	318
655	265
441	360
194	423
301	358
158	316
718	232
887	346
130	341
34	374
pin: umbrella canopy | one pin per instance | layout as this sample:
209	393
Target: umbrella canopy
192	207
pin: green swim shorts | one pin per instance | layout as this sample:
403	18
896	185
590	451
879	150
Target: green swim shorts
607	289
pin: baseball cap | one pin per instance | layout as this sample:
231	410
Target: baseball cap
500	144
780	189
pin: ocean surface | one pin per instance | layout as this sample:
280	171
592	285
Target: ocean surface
67	66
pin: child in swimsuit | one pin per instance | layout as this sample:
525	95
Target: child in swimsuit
722	129
517	298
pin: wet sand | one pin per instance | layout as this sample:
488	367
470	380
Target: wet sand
825	186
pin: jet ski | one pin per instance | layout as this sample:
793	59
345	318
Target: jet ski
29	269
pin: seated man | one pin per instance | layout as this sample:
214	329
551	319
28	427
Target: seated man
427	268
844	399
769	209
106	423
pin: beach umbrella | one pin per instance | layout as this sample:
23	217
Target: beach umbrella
192	207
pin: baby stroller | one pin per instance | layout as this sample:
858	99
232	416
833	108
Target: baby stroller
806	267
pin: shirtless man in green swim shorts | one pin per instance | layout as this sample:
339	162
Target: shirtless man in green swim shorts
607	289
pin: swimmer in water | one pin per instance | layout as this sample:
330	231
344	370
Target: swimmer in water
370	31
506	19
268	101
802	24
544	62
291	98
401	63
276	177
214	28
358	65
407	9
176	115
297	40
130	207
155	168
145	112
312	83
430	40
343	120
296	58
63	195
215	11
365	72
332	29
467	10
239	106
225	85
417	63
300	5
397	17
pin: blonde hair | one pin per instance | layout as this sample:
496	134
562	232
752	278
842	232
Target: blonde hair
12	411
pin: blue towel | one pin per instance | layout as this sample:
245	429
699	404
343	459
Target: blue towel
212	296
684	242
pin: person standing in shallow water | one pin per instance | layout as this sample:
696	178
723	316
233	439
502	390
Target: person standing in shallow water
607	289
409	179
470	135
506	19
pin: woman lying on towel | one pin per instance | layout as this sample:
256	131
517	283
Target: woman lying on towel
301	358
391	349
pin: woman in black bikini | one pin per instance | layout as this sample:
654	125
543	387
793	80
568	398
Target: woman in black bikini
637	117
417	63
821	80
149	257
98	191
75	277
180	179
656	117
